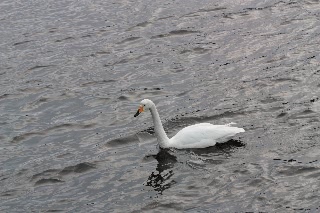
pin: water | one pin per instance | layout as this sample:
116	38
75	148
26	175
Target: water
72	74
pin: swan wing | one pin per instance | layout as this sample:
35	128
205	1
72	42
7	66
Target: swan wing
203	135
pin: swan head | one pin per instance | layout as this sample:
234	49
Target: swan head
145	104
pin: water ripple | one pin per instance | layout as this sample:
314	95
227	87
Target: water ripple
73	74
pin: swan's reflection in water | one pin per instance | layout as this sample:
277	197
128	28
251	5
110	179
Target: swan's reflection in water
159	180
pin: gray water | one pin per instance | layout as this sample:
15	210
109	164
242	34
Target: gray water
72	74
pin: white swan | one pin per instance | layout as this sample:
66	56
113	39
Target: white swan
195	136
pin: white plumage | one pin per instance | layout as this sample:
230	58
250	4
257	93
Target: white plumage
195	136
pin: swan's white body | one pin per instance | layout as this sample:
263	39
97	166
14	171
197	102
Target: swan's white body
195	136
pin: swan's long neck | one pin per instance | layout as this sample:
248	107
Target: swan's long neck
162	137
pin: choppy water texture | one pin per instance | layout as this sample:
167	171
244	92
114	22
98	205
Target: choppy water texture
72	74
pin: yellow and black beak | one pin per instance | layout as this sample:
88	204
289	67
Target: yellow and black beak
139	111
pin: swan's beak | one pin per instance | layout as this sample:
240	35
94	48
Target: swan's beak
139	111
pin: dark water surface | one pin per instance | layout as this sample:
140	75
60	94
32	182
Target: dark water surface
72	74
